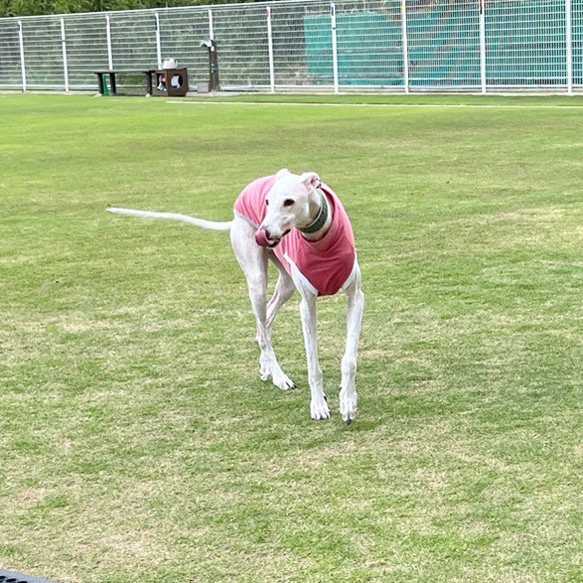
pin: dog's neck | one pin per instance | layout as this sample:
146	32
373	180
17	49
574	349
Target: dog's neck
320	217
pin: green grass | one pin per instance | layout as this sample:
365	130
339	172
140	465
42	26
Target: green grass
402	99
137	442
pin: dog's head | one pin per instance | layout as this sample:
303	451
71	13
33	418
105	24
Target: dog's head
289	204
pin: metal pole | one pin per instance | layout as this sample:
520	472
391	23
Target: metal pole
158	40
482	46
211	26
270	48
569	41
108	33
334	46
22	65
65	64
405	45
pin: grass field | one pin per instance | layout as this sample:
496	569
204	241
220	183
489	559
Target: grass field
137	442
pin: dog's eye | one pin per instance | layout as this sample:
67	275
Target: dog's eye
288	202
266	202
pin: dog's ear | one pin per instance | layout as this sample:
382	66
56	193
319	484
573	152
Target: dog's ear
282	172
311	180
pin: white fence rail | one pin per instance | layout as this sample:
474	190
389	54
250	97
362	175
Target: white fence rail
399	45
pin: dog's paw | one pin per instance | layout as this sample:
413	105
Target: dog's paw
347	407
319	409
283	382
269	371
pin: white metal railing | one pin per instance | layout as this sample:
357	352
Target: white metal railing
402	45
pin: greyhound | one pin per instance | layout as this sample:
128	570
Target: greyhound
299	224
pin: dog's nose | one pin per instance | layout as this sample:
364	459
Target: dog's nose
267	233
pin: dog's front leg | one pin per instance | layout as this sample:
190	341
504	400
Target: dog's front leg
348	397
253	262
319	405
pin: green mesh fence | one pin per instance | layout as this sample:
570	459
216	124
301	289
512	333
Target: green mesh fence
385	44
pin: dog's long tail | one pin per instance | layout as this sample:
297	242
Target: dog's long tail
212	225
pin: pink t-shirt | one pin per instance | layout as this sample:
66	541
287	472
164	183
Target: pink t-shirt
326	264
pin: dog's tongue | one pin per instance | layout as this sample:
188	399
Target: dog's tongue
261	238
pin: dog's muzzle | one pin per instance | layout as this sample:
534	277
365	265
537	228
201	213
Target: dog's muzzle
262	240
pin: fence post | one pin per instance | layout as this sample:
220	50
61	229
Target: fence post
22	64
108	35
482	46
211	26
158	40
405	44
65	64
334	46
569	41
270	49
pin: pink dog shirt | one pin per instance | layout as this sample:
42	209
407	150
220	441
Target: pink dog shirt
326	265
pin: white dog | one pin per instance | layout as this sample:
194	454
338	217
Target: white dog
300	224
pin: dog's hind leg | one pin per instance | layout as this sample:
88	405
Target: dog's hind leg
284	289
253	262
